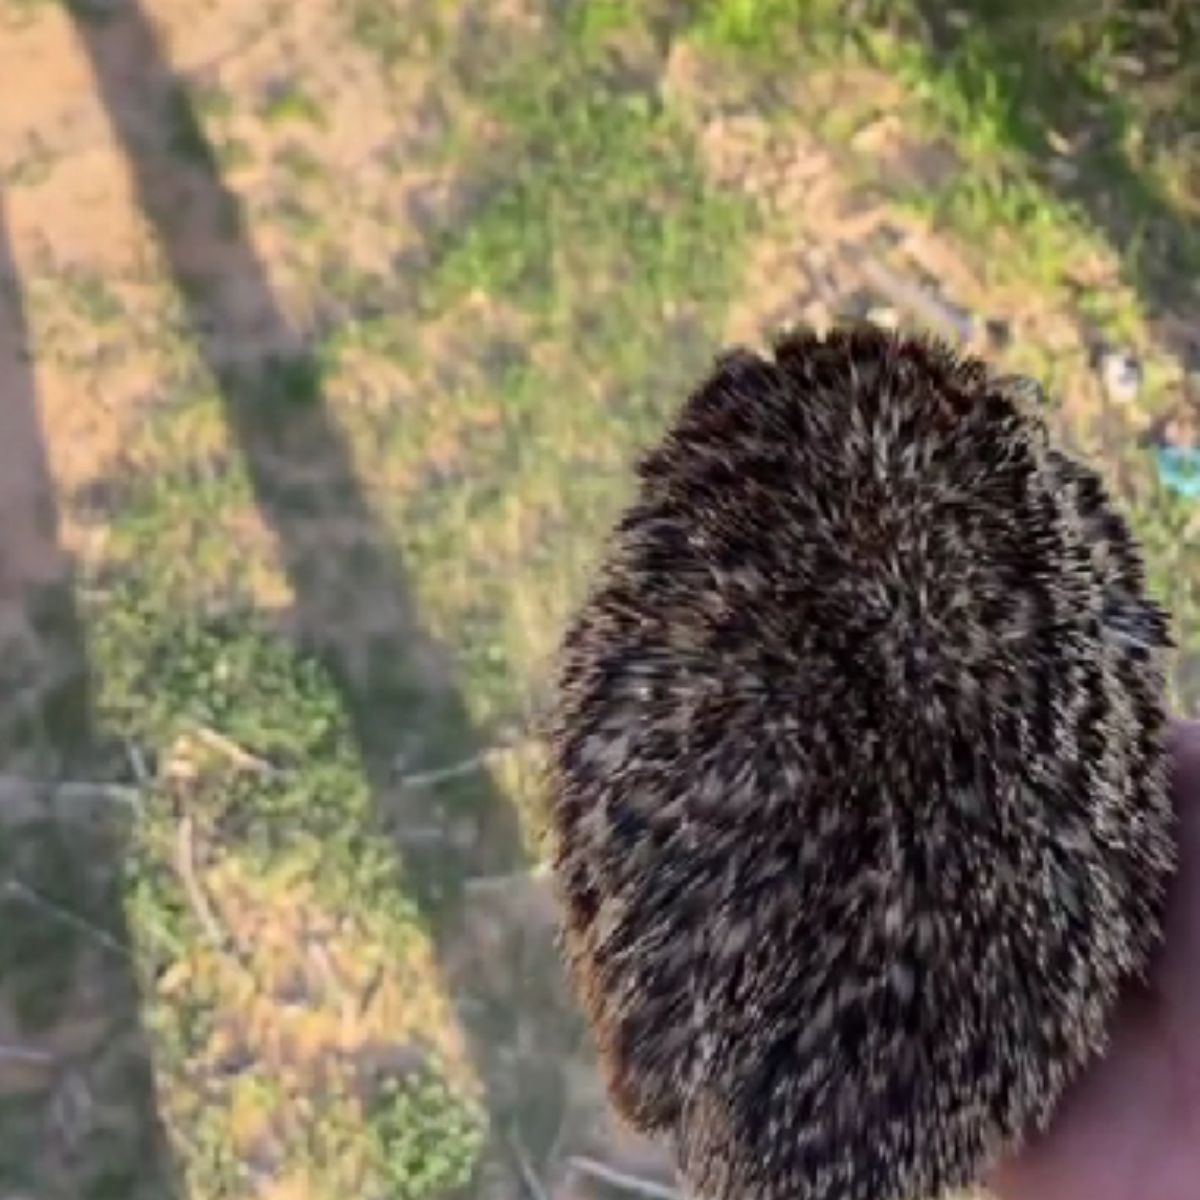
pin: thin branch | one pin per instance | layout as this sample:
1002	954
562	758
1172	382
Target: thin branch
441	774
318	954
137	764
78	789
64	915
487	883
118	793
622	1179
528	1174
237	754
185	861
926	305
25	1054
424	835
467	766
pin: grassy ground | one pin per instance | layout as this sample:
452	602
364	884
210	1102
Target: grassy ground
331	330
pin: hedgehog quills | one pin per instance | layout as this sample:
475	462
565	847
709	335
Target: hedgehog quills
858	779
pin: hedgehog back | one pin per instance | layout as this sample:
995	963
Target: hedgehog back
857	775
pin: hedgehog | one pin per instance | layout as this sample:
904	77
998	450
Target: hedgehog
857	776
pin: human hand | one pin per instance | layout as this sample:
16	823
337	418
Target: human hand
1130	1128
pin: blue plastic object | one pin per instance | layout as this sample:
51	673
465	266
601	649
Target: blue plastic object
1179	469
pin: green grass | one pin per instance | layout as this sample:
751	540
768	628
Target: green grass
593	231
1005	113
595	221
311	818
427	1139
772	31
598	184
1012	84
292	103
18	12
394	32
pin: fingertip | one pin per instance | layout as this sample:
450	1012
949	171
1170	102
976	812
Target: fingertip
1183	748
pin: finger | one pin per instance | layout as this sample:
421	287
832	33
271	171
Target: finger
1183	753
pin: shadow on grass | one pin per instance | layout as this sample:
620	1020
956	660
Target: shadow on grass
1074	87
78	1115
351	597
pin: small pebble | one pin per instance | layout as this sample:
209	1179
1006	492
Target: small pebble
1121	374
884	316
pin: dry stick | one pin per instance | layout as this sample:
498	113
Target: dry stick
318	954
78	789
484	883
119	793
623	1180
16	888
185	860
137	764
532	1182
440	774
238	755
424	835
24	1054
466	767
925	304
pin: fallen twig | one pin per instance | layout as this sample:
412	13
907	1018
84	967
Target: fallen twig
237	754
25	1054
320	956
486	883
423	836
185	861
441	774
906	294
16	888
118	793
622	1179
137	764
467	766
78	789
528	1174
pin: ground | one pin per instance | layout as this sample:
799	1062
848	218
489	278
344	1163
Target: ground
327	334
